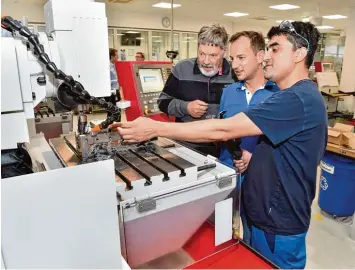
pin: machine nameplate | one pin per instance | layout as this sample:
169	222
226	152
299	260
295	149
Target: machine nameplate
146	205
224	182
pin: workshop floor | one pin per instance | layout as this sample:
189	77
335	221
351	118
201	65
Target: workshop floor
328	242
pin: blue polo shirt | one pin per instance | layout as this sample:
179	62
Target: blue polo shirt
234	101
281	181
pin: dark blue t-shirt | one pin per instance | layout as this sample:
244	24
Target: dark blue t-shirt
281	181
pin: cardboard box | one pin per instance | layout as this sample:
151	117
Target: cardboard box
342	134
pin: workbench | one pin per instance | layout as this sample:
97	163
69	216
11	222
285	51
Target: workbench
342	150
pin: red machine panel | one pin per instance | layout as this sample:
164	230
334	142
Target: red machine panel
142	83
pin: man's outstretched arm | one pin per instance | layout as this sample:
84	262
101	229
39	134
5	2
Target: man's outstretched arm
212	130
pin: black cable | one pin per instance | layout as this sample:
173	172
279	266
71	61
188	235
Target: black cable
75	89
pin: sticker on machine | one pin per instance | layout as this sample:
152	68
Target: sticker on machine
327	167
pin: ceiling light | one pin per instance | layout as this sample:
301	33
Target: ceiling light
284	7
140	38
236	14
156	36
334	17
323	27
120	34
284	20
157	41
132	32
188	37
166	5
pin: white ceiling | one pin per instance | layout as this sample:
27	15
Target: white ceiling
213	10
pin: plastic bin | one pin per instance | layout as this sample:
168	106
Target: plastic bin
337	185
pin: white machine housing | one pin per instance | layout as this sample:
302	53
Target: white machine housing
80	30
78	45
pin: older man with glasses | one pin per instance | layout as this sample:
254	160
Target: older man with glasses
292	124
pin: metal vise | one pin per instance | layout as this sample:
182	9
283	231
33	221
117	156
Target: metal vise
86	142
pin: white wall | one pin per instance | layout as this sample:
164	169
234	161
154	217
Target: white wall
34	12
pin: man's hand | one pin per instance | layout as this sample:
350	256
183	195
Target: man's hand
243	163
197	108
139	130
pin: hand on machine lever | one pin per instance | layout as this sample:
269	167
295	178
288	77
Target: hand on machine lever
70	87
233	145
240	156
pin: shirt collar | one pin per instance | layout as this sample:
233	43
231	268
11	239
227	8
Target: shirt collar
269	85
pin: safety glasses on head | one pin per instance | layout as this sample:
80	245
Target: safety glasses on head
288	27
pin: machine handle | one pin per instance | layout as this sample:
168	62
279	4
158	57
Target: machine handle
233	145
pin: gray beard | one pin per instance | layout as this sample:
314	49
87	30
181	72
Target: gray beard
208	74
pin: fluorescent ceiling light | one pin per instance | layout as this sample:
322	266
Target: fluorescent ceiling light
140	38
120	34
322	27
156	36
334	17
132	32
166	5
236	14
157	41
284	20
284	7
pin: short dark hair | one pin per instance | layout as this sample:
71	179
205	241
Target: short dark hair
304	29
257	41
142	54
112	52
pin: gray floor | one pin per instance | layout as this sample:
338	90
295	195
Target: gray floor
328	242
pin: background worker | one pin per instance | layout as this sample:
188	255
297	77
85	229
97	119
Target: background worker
117	95
140	56
281	181
194	88
247	51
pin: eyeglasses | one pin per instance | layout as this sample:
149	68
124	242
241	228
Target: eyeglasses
288	27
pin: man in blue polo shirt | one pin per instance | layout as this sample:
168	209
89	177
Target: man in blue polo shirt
247	51
292	124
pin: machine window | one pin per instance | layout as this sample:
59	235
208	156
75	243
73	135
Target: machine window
151	80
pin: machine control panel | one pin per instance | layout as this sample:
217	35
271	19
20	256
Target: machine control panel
152	81
142	84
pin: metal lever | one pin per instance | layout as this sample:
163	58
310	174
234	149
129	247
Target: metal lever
233	145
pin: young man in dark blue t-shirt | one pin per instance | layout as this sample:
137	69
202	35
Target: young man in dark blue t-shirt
281	181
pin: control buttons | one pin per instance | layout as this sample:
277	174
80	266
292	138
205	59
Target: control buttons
150	102
147	111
